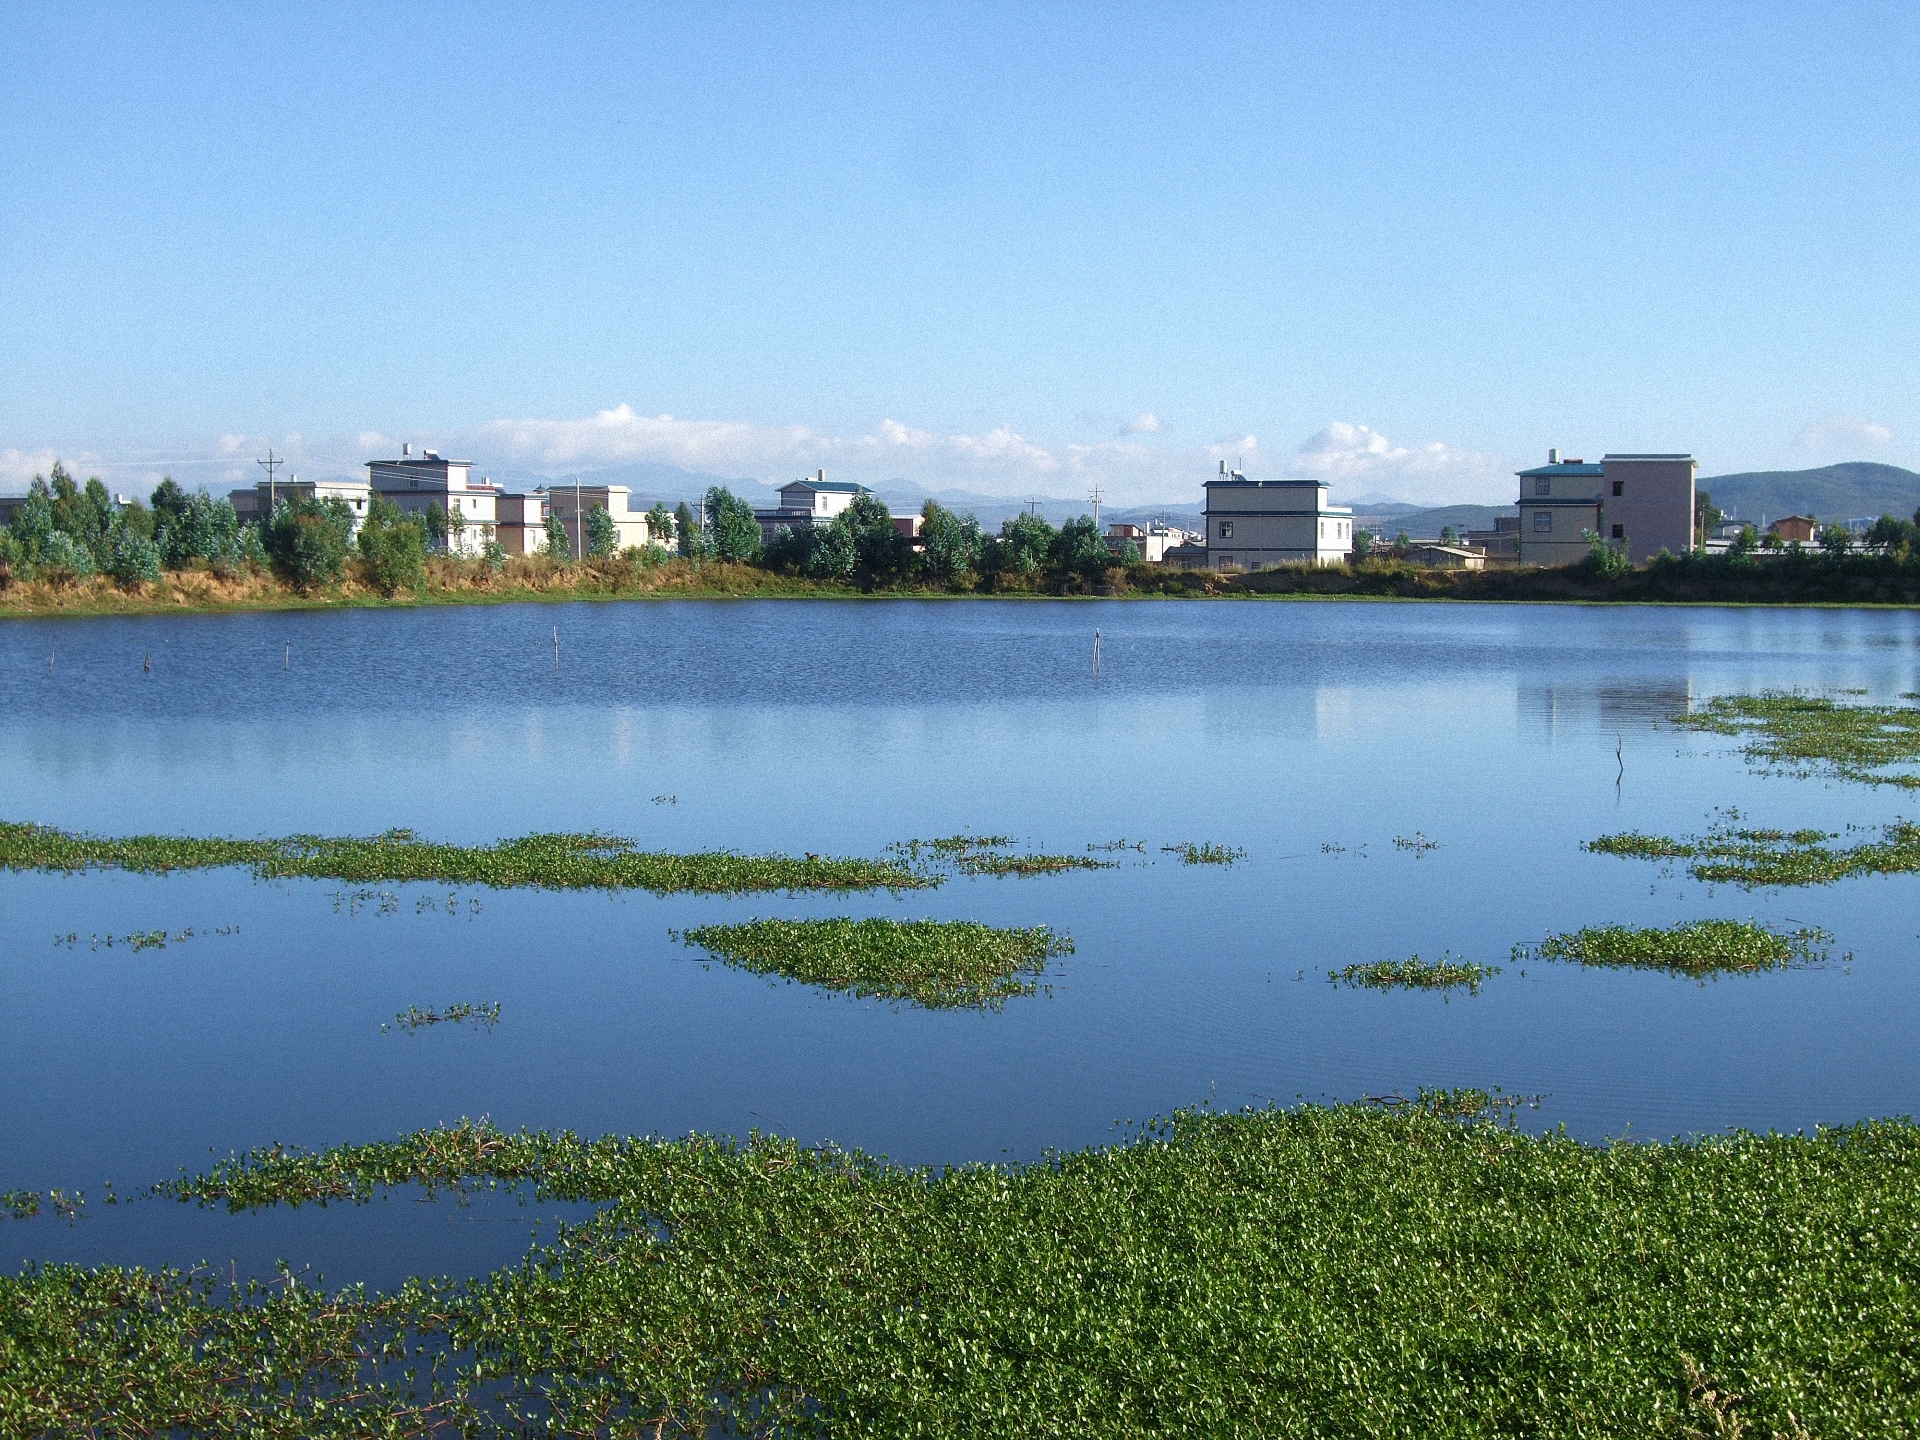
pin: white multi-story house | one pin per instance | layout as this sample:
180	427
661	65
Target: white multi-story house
804	503
257	502
418	483
1255	524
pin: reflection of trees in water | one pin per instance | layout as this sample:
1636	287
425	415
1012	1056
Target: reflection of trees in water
1595	707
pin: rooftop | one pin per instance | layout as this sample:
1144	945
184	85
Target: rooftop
843	486
1567	467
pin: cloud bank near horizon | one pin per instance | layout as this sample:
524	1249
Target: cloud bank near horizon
1141	463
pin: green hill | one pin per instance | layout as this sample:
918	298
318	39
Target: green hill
1833	492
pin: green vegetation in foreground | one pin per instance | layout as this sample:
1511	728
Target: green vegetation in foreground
1333	1272
1815	735
483	1017
942	964
1696	947
566	862
1751	858
1413	973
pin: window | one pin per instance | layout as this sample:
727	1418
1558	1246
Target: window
1619	532
1619	487
1226	529
1542	522
1323	529
1543	487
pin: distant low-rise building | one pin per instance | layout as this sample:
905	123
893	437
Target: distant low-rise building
1641	503
630	524
1499	543
806	503
520	523
1257	524
1795	529
1153	540
1434	555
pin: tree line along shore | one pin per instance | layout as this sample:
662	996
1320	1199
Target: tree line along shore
69	549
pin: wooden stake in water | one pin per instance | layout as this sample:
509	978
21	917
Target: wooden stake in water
51	652
556	648
286	661
1096	652
148	667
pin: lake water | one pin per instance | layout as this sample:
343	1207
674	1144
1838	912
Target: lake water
1310	735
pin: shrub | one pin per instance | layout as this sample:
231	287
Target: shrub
306	541
64	557
394	547
135	559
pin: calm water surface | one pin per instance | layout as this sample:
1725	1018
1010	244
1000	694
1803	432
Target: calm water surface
1311	735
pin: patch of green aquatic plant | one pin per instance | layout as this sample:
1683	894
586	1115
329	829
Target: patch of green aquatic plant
1418	843
482	1017
1110	846
1694	947
1413	973
1815	735
1205	853
26	1204
1754	857
941	964
1363	1270
140	939
550	861
986	855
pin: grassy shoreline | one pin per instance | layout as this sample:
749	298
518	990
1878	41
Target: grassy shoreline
1329	1271
1862	582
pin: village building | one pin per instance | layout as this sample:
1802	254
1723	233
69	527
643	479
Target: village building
1642	504
256	503
1437	555
1795	529
1152	540
1256	524
806	503
417	484
629	515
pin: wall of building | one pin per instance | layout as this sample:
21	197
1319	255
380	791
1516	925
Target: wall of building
1650	498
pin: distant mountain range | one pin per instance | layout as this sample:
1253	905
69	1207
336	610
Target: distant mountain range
1833	492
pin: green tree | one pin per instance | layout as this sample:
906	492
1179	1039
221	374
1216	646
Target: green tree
603	536
64	556
1023	544
734	532
1603	557
137	519
1080	549
394	546
885	554
201	529
169	502
559	544
832	551
435	522
1892	534
951	544
1362	544
1744	543
660	529
1449	535
1836	540
32	523
693	543
1706	515
306	540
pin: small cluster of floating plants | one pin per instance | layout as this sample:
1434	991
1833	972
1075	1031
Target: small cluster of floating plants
986	855
1413	973
554	861
1344	1270
1753	858
1695	947
1205	853
140	939
940	964
1815	735
483	1017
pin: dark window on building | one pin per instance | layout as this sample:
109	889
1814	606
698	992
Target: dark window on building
1226	529
1542	521
1619	487
1619	532
1543	487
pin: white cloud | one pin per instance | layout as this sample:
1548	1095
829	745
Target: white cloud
1145	423
18	467
1834	430
1356	459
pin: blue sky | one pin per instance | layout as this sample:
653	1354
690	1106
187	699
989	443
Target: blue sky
1019	249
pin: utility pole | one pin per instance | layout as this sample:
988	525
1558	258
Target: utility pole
1095	497
271	465
1033	506
579	521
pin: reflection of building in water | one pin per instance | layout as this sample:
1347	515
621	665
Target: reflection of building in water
1579	709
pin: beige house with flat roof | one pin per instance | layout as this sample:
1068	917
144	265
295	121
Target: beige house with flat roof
1257	524
1641	504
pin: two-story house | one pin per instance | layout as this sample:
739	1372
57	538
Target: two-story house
418	483
1642	504
1255	524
